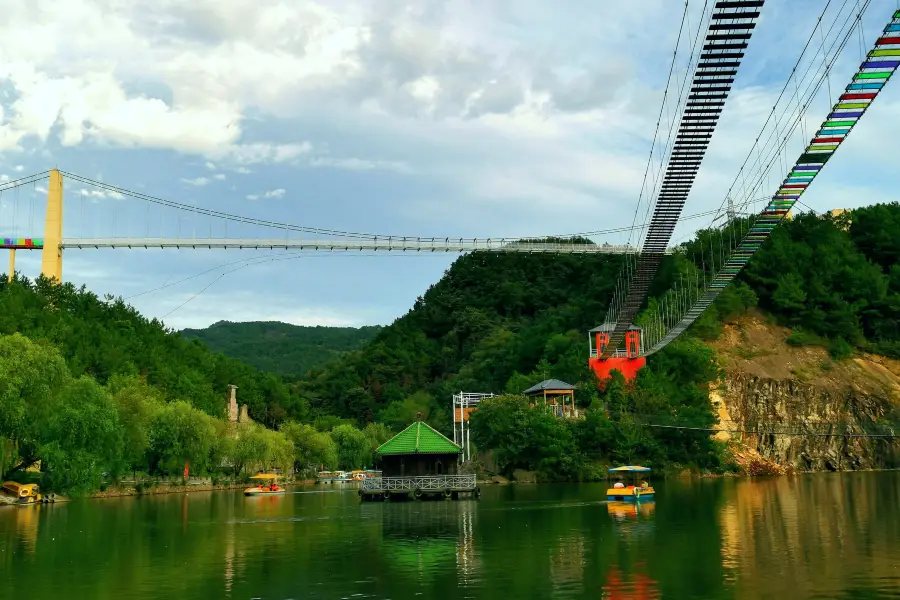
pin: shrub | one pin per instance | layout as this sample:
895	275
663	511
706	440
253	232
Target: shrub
799	337
839	349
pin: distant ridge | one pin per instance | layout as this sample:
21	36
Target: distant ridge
281	348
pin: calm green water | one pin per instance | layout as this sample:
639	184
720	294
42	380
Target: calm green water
819	536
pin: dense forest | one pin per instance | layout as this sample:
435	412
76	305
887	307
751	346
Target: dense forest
86	434
497	323
281	348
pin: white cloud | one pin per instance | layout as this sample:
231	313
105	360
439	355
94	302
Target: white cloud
276	193
248	154
82	69
18	168
96	107
95	195
196	181
219	176
358	164
210	166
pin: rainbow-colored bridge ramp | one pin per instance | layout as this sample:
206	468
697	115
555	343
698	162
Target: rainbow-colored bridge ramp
21	243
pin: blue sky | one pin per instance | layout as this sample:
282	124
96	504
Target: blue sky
477	119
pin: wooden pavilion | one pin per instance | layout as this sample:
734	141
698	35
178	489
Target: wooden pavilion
558	396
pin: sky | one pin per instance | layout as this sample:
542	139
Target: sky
495	118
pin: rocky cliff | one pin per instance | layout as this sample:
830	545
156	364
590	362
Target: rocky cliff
771	386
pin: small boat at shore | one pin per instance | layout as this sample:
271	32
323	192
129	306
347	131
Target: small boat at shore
19	493
330	476
267	487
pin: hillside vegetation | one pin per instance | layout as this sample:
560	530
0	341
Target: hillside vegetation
105	337
281	348
501	322
494	323
494	317
79	429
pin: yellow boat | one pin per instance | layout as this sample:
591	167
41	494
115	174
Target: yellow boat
622	492
24	493
265	489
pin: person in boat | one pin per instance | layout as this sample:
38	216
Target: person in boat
619	485
644	485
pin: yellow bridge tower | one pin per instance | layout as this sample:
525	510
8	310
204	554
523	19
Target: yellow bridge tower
51	257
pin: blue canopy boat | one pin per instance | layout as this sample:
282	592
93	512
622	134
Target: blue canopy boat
631	491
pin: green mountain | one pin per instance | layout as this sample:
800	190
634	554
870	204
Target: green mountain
501	322
281	348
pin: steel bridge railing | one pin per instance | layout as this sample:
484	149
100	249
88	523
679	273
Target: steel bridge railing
426	483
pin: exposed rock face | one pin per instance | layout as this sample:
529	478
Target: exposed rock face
764	404
773	387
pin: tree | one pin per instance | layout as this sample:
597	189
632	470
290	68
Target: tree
181	434
789	295
31	376
83	437
377	434
312	448
137	404
257	449
524	437
399	414
353	449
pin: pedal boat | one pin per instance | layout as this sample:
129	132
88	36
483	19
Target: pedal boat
267	486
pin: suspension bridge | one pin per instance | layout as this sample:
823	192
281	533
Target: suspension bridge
633	327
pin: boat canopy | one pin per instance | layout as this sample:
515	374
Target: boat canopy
265	476
630	469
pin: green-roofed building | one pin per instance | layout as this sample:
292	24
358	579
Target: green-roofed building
418	462
418	450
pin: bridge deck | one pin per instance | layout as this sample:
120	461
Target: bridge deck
342	245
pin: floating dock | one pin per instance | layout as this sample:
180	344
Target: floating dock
433	486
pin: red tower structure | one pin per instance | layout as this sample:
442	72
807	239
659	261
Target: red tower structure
628	360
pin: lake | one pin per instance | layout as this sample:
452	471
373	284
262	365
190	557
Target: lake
813	536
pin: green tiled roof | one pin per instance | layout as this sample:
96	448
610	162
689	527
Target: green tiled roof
418	438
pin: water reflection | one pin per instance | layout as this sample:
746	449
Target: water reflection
813	535
567	558
634	586
622	511
27	520
823	536
428	539
633	519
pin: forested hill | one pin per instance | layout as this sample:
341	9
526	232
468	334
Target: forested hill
500	322
106	337
281	348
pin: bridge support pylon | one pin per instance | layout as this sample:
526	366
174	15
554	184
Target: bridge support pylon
12	265
628	362
51	255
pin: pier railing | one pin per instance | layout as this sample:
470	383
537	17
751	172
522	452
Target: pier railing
433	483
